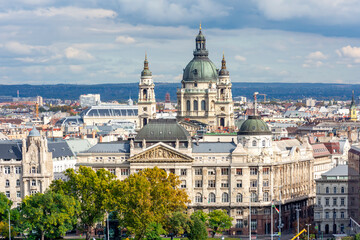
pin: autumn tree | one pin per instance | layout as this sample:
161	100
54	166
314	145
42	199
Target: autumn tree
5	205
219	221
148	197
93	191
49	215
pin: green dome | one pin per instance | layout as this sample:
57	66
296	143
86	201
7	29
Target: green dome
201	70
254	126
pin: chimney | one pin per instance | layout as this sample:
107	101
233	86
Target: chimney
101	139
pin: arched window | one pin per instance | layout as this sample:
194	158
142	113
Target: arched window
266	197
195	105
239	197
225	197
7	183
263	143
342	190
327	189
144	94
253	197
203	105
211	198
335	189
188	105
254	143
198	198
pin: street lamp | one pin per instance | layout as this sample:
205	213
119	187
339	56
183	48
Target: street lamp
308	225
297	216
9	225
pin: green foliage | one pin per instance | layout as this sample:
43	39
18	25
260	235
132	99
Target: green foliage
5	204
148	197
357	236
4	230
201	215
50	214
93	191
153	231
198	229
178	223
219	221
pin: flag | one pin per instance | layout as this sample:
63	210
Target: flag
273	205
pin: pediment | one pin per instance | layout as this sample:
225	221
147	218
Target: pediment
160	153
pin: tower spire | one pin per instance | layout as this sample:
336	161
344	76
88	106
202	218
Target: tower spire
223	71
200	27
146	71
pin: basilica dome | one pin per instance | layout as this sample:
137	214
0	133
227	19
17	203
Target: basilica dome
254	126
200	68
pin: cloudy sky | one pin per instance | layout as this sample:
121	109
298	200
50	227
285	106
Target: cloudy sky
97	41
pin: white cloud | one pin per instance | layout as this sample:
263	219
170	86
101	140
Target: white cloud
349	51
240	58
125	39
76	68
327	11
18	48
74	53
69	12
316	55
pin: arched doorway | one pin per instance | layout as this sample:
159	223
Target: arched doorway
222	122
327	229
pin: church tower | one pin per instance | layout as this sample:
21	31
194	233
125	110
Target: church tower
224	102
352	109
146	103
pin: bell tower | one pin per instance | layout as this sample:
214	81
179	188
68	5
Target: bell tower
352	109
224	102
147	102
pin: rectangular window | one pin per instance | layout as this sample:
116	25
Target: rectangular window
327	202
183	172
239	171
253	183
266	183
334	201
7	170
18	170
183	184
342	201
326	214
253	224
7	193
266	171
239	183
33	192
342	214
211	172
239	212
198	171
18	194
124	172
211	183
224	184
112	170
7	183
33	183
253	171
198	183
239	223
18	182
319	201
172	170
224	171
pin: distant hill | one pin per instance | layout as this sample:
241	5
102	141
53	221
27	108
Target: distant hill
122	91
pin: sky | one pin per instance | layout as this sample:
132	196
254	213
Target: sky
97	41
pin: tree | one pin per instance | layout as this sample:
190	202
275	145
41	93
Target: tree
49	214
5	205
219	221
178	223
197	224
149	197
93	191
153	231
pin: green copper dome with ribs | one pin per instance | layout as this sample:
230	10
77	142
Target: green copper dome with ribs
254	126
200	68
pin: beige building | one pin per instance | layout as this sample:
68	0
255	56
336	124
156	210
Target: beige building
26	167
219	174
205	93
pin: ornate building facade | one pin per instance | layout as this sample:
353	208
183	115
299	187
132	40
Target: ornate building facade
225	175
205	93
26	167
